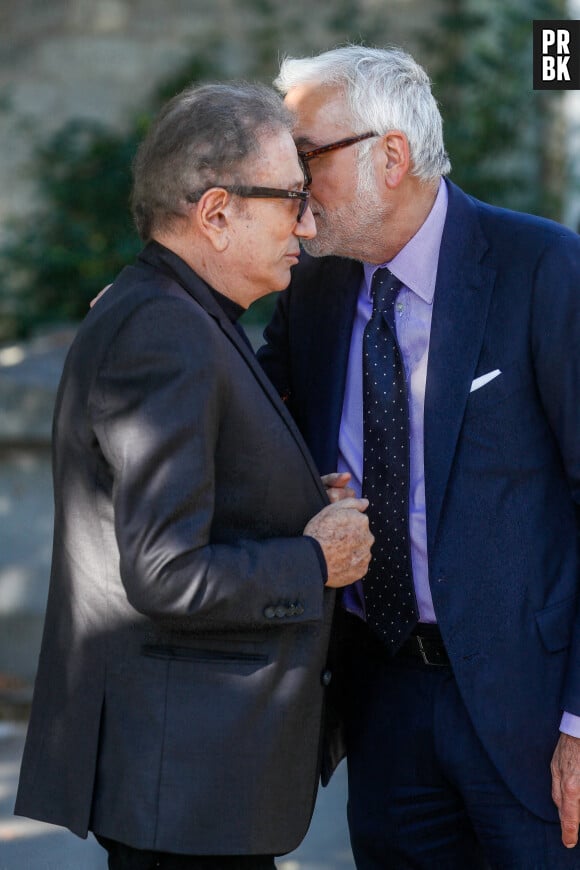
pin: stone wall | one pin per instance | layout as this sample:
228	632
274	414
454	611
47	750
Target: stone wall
29	374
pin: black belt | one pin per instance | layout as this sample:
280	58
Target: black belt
425	644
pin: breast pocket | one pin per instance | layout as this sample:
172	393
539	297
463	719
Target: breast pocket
555	623
509	382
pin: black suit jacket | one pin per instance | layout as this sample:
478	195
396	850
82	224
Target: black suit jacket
502	463
179	695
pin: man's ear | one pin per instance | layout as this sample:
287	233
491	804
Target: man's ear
396	157
213	217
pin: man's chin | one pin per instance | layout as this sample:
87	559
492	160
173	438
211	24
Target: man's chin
316	248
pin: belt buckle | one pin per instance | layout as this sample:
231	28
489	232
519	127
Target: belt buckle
425	654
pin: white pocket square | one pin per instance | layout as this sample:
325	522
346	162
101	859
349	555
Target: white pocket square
482	380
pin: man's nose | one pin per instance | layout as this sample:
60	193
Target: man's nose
306	228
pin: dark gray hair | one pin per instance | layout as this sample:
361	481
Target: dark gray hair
385	89
202	136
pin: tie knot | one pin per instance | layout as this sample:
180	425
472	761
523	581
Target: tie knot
384	289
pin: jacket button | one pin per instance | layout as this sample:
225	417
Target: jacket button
280	611
270	612
326	678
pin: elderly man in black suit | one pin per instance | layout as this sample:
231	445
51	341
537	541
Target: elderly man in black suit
178	708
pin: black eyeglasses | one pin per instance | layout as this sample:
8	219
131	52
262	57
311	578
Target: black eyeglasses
261	193
306	156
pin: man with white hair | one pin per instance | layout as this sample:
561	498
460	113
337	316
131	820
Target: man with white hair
429	347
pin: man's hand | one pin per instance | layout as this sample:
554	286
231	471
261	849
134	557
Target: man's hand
342	530
98	296
336	485
566	786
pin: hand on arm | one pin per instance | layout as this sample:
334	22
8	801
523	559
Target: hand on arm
99	294
566	786
342	530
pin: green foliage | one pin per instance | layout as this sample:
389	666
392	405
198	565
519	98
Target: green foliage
499	132
81	233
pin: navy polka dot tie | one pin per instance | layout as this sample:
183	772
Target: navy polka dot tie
388	587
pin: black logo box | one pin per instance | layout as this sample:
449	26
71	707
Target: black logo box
553	48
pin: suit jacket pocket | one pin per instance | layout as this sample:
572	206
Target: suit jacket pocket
198	654
510	381
555	623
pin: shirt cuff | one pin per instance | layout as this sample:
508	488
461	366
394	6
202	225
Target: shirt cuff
570	724
321	559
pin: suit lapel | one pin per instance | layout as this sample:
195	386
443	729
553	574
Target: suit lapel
250	358
190	284
462	294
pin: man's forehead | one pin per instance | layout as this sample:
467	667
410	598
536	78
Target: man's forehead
319	112
278	161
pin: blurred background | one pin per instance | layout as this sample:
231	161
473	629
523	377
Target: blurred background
79	83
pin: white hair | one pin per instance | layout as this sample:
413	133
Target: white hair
385	89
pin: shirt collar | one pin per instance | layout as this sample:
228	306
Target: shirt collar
416	264
169	262
232	310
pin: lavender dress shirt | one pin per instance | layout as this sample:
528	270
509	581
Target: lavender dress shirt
416	267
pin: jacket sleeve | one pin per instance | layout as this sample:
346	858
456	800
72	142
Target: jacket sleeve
157	405
556	354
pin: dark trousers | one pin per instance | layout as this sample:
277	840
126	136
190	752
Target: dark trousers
123	857
423	794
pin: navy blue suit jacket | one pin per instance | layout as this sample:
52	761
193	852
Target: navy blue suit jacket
502	464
